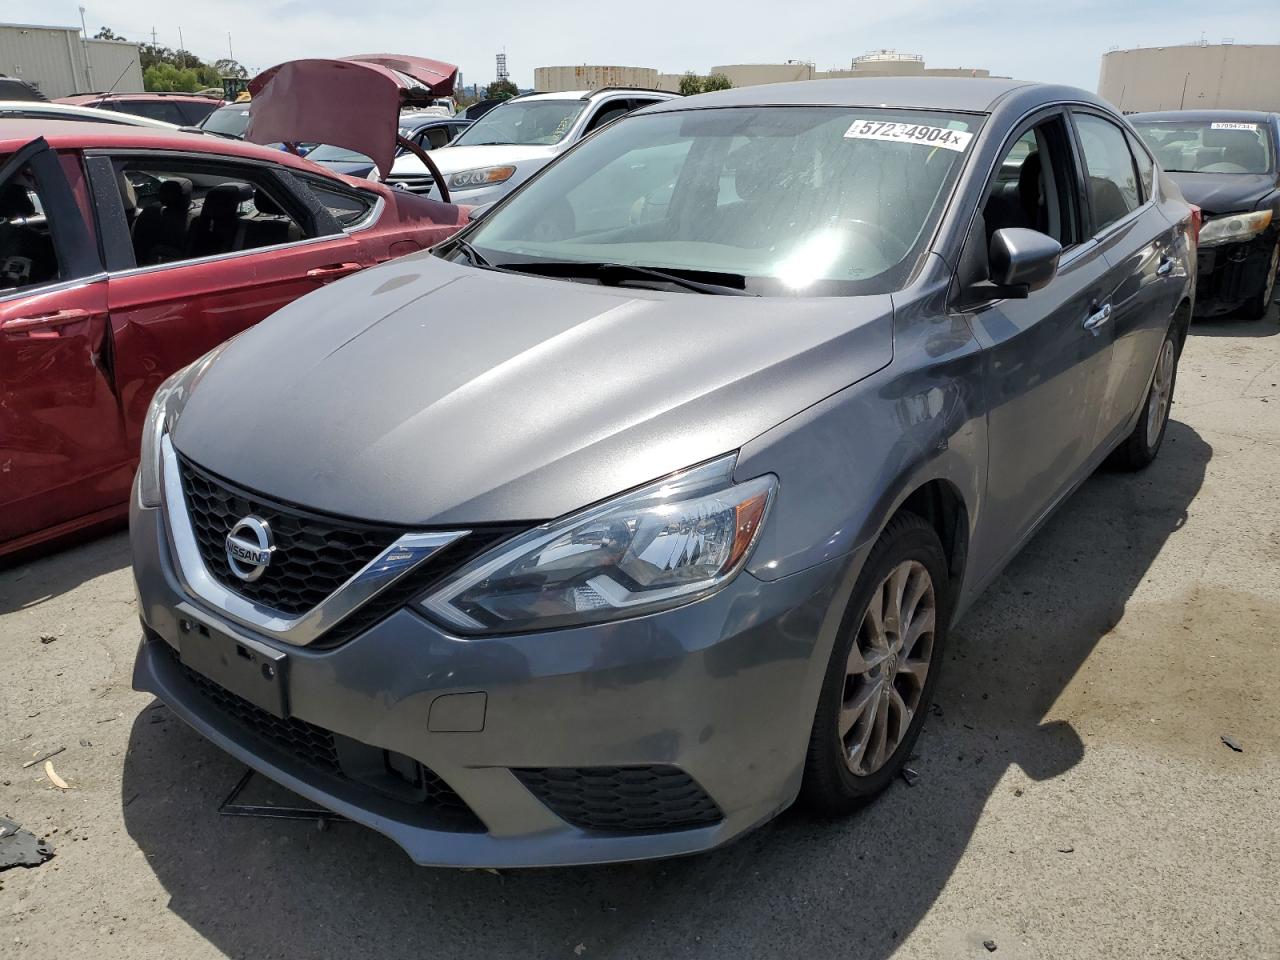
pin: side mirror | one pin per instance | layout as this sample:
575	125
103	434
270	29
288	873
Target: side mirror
1019	261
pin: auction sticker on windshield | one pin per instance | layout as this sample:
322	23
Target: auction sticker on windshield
1224	125
898	132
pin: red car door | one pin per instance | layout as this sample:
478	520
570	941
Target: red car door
253	242
63	460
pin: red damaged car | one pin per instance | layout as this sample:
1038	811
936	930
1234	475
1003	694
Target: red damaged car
126	253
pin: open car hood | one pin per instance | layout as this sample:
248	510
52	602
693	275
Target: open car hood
351	102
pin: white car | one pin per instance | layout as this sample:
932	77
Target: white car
515	140
35	110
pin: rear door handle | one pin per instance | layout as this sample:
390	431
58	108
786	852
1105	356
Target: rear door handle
331	271
44	324
1095	321
1166	266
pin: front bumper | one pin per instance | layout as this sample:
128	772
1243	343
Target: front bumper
1231	274
723	689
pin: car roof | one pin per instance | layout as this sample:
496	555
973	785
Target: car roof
84	135
965	94
1254	116
87	114
83	98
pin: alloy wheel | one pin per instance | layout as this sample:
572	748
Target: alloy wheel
887	666
1161	393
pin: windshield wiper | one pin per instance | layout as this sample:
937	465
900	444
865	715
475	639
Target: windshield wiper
475	256
621	272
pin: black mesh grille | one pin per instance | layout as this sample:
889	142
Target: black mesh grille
622	799
317	747
314	555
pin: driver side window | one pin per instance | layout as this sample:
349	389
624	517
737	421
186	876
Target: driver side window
28	257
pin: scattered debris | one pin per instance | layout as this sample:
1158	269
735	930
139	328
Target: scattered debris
18	848
910	776
108	719
1066	849
47	638
580	949
1017	792
1232	742
85	743
990	945
52	774
42	759
935	708
131	799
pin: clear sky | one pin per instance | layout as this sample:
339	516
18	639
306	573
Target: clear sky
1052	40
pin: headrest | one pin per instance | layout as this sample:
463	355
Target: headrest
176	193
265	205
128	195
15	202
224	200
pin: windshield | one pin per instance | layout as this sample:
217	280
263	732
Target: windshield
542	122
1204	146
774	200
232	121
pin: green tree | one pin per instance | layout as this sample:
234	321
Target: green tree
165	76
106	33
717	81
690	84
504	89
227	67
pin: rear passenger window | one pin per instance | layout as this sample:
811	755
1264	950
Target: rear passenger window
152	110
349	207
1146	168
1113	184
183	211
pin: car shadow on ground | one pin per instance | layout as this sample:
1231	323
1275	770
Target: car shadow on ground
1232	326
856	887
33	578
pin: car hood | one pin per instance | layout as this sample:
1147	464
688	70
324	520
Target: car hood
455	159
1224	192
426	393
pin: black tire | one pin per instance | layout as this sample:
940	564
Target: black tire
1140	448
829	786
1257	307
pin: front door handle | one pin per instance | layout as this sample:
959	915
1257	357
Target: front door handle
1166	266
332	271
44	324
1095	321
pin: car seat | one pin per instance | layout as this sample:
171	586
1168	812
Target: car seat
218	227
160	233
26	255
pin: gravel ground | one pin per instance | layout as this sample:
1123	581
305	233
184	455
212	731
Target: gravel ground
1075	797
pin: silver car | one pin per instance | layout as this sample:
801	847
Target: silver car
644	506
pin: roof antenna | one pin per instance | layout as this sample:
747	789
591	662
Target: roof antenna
102	99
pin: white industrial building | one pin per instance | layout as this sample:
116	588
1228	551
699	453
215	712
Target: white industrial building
59	62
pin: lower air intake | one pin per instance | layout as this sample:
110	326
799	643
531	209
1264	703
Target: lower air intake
622	799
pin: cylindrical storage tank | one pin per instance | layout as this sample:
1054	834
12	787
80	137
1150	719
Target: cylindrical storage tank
1220	76
592	77
750	74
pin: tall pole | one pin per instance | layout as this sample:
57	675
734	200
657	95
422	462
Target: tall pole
182	46
84	46
230	52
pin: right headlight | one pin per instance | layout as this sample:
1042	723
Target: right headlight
653	548
166	406
1234	227
482	177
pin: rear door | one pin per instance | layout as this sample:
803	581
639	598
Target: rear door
1046	354
203	248
62	452
1140	245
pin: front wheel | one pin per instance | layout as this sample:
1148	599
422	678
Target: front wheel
1257	308
1142	445
883	669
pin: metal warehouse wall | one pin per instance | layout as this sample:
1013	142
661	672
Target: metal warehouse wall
53	59
592	77
1234	76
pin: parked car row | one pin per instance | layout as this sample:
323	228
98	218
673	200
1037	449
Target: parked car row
643	506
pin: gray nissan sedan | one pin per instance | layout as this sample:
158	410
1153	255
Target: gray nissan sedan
643	506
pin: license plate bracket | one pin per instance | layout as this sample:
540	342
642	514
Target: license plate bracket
248	669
